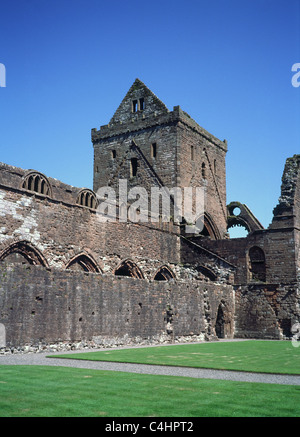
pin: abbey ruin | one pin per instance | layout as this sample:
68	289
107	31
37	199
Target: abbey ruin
67	276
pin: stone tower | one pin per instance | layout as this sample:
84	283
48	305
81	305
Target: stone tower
148	145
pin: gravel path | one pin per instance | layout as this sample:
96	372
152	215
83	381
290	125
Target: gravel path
41	359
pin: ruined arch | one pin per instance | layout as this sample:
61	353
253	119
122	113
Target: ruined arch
37	182
23	251
87	198
164	273
129	268
83	262
240	215
204	226
207	272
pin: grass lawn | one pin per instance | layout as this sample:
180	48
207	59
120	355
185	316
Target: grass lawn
251	356
32	391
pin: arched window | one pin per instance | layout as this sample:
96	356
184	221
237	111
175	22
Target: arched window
38	183
257	264
23	252
164	274
83	262
129	268
87	198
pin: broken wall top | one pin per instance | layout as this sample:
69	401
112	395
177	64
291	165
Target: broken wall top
287	211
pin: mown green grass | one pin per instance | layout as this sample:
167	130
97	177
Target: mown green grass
45	391
252	356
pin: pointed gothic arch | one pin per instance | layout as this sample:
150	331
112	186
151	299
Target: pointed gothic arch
23	251
164	273
83	262
210	229
129	268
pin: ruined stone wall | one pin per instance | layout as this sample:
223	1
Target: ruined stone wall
43	306
61	230
278	247
266	310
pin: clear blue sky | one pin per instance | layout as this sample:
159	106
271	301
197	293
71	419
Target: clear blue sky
69	64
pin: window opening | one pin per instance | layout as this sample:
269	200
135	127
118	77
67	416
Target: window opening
141	104
133	167
87	198
192	153
257	264
134	106
38	183
153	150
203	172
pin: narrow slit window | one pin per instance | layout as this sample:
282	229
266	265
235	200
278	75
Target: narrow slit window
153	150
133	167
192	153
113	154
141	104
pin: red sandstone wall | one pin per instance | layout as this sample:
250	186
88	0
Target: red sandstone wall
41	306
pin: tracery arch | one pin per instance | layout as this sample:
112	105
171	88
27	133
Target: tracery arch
23	251
37	182
83	262
164	273
129	268
87	198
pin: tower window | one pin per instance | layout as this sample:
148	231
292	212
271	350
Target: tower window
141	104
153	150
138	105
133	167
113	154
134	106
